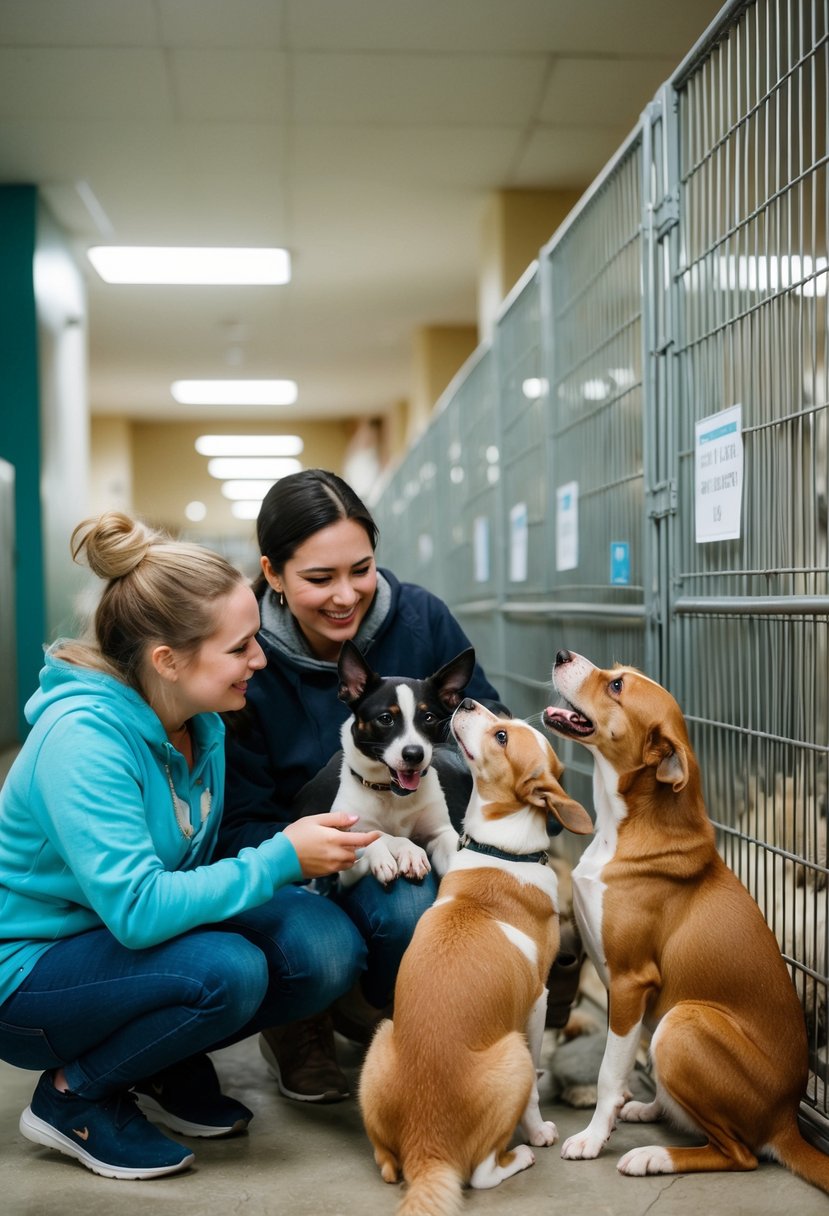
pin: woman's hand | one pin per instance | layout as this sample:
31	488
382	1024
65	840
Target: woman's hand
325	844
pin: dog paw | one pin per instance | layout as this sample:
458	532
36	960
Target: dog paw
640	1112
384	869
584	1146
651	1159
583	1097
544	1134
412	862
523	1157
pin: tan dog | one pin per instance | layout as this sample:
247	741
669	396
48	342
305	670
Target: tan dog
444	1086
681	944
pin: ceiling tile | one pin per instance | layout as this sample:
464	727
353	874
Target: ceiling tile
421	89
565	159
443	156
230	85
500	26
83	83
587	91
78	23
203	23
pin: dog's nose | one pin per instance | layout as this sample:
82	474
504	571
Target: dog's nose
413	755
562	657
467	704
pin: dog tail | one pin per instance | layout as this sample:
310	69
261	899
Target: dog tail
434	1189
801	1158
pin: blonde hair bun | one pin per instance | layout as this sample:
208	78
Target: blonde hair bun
113	544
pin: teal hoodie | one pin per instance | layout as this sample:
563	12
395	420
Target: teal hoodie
102	823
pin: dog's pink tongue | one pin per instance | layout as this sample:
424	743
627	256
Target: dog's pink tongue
408	781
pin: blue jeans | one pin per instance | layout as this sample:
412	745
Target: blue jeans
386	918
111	1016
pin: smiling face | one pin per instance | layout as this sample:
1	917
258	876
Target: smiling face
396	721
328	585
215	677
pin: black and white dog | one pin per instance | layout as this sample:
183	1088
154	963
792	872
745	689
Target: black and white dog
387	775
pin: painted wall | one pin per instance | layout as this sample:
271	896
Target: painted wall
43	427
20	425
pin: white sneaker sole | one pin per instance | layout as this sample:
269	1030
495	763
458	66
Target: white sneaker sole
155	1111
39	1132
328	1096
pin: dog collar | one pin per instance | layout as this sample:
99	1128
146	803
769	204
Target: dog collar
382	786
466	842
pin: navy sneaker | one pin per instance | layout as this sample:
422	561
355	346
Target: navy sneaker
187	1098
109	1136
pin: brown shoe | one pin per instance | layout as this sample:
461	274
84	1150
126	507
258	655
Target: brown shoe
563	980
302	1058
355	1019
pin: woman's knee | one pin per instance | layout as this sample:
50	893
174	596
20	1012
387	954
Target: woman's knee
305	936
390	914
232	973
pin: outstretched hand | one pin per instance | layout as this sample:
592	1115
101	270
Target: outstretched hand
325	843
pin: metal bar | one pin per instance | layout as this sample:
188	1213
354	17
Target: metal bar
753	605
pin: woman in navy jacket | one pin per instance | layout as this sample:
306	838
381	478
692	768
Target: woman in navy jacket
319	586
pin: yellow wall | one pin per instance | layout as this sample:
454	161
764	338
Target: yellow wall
515	225
439	352
168	472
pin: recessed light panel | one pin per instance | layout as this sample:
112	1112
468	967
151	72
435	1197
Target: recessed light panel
234	392
251	468
249	445
189	265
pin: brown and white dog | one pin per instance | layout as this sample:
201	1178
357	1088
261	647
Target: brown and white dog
445	1084
680	943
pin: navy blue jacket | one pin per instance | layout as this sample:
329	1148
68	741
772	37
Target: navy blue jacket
291	726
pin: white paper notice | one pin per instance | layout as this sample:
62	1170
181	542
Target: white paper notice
718	454
518	543
567	526
480	548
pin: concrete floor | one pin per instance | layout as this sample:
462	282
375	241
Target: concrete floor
304	1160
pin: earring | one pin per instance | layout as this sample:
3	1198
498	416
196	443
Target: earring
281	600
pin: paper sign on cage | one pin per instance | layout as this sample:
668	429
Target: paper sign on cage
567	526
718	469
518	543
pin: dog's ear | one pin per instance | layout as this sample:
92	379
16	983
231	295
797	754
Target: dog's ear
450	681
667	754
566	810
354	673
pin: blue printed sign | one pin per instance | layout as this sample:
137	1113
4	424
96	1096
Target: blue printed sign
619	563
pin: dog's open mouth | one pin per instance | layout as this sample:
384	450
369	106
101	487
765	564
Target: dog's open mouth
567	721
407	779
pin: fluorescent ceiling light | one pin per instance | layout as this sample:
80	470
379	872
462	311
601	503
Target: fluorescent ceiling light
195	511
169	265
251	468
249	445
241	489
245	510
234	392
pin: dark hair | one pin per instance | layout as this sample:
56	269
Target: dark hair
298	506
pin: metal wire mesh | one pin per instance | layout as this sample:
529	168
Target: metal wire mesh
691	279
750	626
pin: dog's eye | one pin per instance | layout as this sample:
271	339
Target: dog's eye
616	685
384	720
501	737
429	718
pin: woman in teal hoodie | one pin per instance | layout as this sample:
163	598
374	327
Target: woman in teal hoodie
126	953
